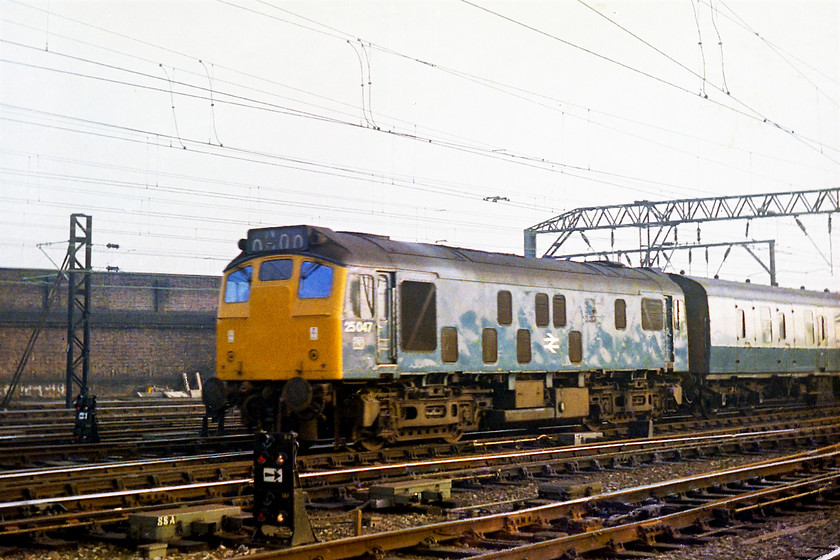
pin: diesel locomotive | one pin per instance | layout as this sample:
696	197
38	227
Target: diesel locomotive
362	339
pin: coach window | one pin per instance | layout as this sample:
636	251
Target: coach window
558	302
766	325
822	336
652	315
361	296
523	346
809	327
277	269
504	307
782	326
449	345
489	346
418	316
741	326
620	314
541	309
575	347
238	285
316	280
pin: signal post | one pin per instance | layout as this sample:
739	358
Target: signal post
279	510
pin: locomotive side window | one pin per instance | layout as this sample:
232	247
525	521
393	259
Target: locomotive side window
277	269
361	296
541	309
742	323
418	317
766	325
489	346
621	314
504	308
316	280
575	347
523	346
809	327
558	302
238	285
449	344
652	315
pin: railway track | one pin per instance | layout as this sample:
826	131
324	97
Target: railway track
51	423
663	514
35	500
85	487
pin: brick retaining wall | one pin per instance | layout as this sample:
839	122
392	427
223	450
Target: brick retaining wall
146	329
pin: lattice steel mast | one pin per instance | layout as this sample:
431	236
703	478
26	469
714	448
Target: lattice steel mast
657	222
78	306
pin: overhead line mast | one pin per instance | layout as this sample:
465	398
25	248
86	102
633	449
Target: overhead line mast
656	221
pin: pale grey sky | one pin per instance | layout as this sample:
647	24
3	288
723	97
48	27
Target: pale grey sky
180	124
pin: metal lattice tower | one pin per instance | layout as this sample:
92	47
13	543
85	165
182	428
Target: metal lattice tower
657	222
78	305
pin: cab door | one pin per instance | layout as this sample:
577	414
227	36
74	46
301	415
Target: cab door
385	317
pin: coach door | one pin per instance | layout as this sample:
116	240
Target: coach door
385	343
669	328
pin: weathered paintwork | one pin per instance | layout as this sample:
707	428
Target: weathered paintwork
467	284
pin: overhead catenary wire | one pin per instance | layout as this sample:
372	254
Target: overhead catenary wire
501	87
211	91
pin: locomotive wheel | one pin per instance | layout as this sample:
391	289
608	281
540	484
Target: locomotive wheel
453	436
373	443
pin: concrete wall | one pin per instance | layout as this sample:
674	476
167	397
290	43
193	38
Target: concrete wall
146	329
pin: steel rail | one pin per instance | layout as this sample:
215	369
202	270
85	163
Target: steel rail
477	466
378	543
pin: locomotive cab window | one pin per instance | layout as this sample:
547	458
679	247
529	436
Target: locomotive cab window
238	285
277	269
504	308
621	314
653	318
418	317
316	280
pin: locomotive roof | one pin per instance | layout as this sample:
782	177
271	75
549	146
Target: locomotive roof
369	250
